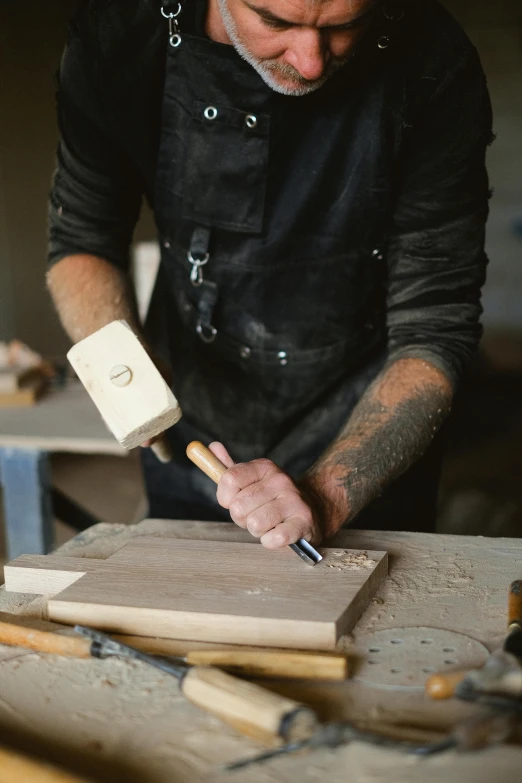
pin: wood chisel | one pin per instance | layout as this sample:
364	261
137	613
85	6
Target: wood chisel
248	708
273	663
251	710
248	663
214	468
15	768
502	672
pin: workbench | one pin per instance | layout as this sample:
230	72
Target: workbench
121	721
65	420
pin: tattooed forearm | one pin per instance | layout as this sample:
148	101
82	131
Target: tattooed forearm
390	428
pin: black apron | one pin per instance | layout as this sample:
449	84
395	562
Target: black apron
270	340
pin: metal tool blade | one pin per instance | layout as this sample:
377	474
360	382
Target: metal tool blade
306	552
104	646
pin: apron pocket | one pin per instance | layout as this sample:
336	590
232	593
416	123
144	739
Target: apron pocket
226	168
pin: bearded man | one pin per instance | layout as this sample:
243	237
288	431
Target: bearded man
316	172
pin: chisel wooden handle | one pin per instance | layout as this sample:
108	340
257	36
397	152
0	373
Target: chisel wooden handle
274	664
515	606
14	767
205	460
246	707
442	686
43	641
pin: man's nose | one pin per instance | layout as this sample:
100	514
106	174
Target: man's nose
308	53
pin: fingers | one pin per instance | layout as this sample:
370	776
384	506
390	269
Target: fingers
219	451
290	531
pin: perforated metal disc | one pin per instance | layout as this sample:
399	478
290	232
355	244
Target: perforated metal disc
403	658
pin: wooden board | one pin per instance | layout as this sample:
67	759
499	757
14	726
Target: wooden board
207	591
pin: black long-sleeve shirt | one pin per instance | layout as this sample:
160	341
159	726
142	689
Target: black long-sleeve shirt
378	179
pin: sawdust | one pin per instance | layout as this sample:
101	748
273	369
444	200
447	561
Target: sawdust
349	561
124	713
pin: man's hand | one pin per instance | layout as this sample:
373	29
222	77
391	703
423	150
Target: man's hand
264	500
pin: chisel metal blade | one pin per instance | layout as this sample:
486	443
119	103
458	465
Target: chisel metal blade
306	552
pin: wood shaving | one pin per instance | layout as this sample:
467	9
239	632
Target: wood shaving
351	561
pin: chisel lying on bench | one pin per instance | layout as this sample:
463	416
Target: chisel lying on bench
248	708
249	663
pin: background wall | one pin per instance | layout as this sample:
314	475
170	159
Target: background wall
32	34
495	27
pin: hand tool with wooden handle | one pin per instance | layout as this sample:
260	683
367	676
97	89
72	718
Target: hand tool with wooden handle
15	768
214	468
514	611
502	672
276	663
132	396
250	663
249	709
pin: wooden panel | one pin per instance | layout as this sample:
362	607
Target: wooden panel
215	591
45	575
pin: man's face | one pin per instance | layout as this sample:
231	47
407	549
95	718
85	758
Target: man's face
295	45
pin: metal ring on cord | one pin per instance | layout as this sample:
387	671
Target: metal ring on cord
196	275
172	14
206	333
393	15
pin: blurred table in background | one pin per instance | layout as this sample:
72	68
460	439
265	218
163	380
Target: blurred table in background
65	420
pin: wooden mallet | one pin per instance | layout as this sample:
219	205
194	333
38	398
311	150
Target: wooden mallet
132	396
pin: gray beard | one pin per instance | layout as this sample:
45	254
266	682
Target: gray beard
268	69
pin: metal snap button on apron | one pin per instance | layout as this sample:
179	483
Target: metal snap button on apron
251	121
282	358
244	351
210	113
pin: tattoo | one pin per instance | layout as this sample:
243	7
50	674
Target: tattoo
390	428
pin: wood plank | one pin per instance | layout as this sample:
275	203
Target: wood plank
63	420
232	593
45	575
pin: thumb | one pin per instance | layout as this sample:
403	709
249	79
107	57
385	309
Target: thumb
219	451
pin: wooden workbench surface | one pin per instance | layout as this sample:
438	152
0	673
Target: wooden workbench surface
118	720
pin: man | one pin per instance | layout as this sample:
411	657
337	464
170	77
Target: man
316	171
